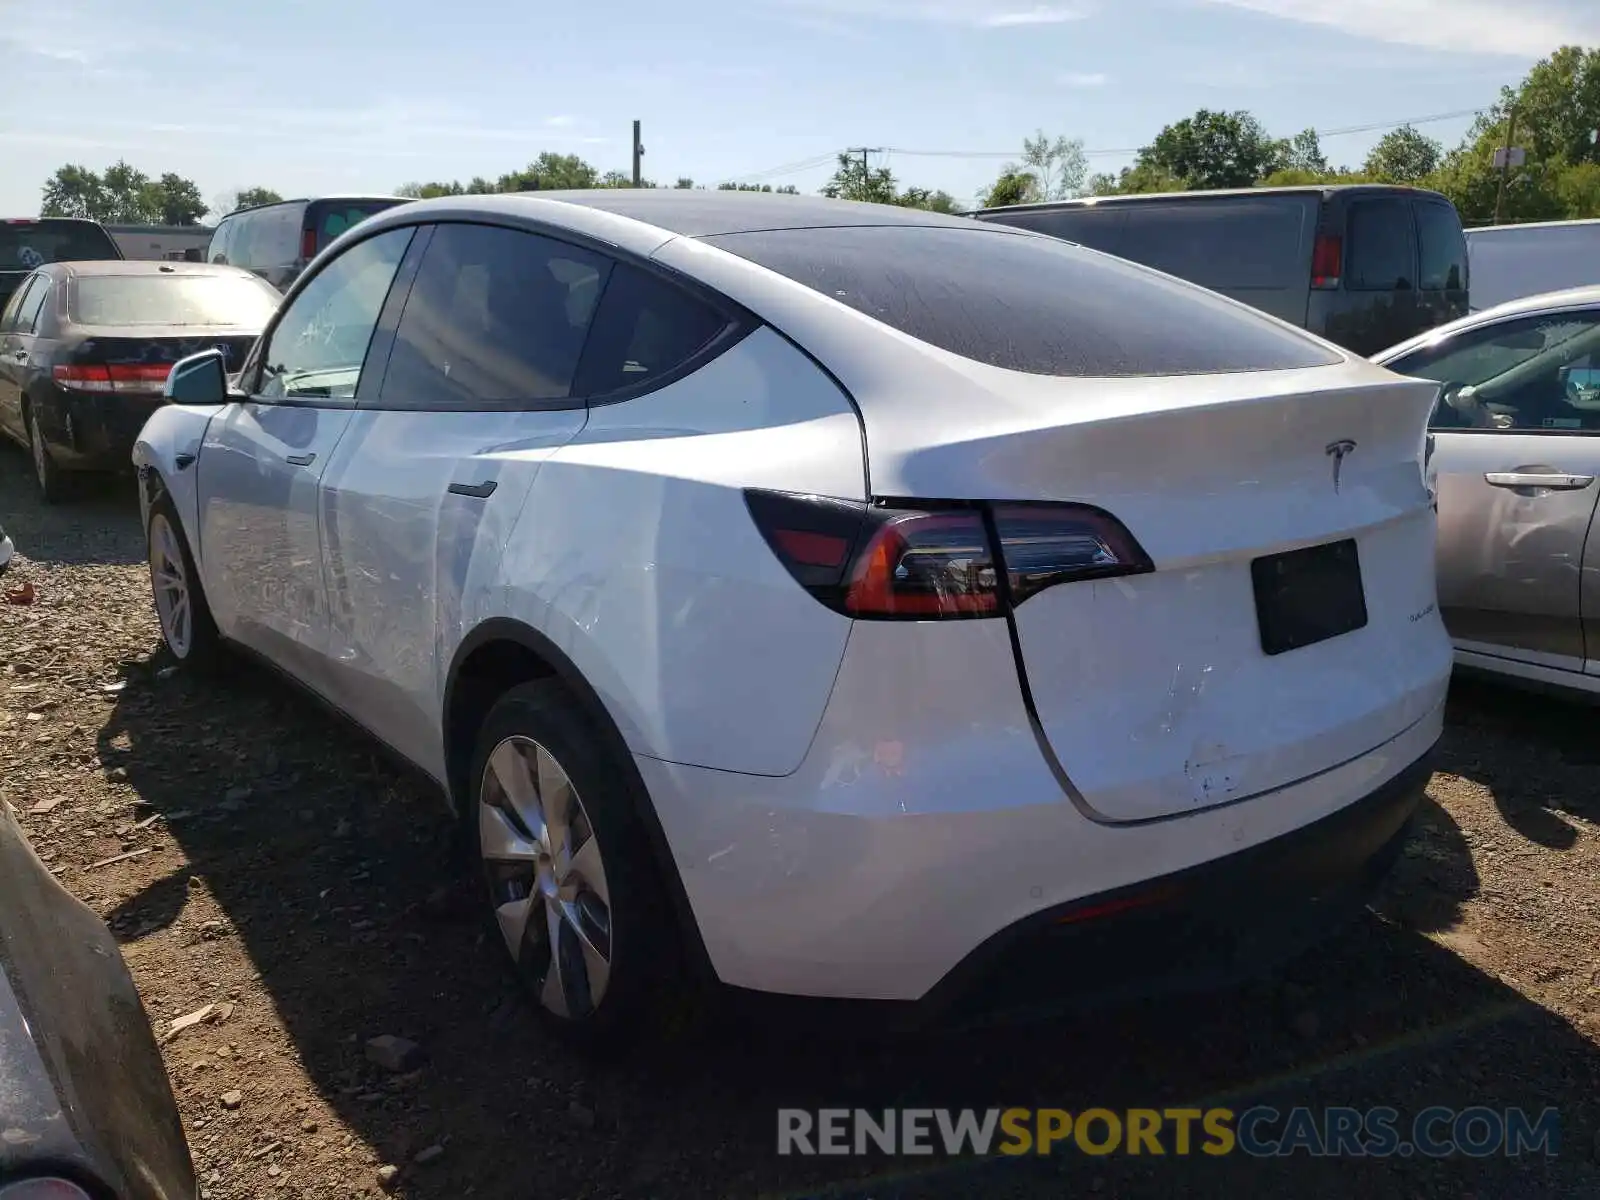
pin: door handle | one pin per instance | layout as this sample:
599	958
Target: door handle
478	491
1532	479
300	460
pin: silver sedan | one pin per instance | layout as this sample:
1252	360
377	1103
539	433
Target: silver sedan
1516	450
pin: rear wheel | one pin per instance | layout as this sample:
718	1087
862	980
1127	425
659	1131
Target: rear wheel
186	625
51	479
572	890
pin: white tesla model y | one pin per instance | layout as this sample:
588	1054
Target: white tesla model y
859	600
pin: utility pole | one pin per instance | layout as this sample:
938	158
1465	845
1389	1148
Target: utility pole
864	151
638	153
1505	164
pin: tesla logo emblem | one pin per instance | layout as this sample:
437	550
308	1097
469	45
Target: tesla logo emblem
1337	451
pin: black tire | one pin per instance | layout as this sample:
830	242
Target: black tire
641	992
54	484
203	648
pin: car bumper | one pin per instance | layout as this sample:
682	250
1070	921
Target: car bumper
94	432
886	866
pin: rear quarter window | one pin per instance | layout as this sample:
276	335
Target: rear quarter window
1240	245
1380	255
1028	303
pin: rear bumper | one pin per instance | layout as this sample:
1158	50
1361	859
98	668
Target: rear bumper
892	859
93	432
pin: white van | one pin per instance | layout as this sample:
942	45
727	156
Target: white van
1508	262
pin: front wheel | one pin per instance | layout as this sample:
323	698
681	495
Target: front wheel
572	889
187	629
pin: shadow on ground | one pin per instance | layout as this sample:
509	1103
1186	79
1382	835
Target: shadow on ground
1486	718
328	866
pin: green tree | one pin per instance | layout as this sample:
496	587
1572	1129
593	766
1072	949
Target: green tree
1293	177
550	172
933	201
1013	187
1403	156
176	200
856	180
1103	183
1058	165
1303	153
1578	188
430	191
787	189
684	183
1210	150
251	197
73	191
127	194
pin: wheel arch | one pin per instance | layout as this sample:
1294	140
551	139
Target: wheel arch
502	653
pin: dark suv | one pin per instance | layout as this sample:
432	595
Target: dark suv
27	243
276	241
1363	265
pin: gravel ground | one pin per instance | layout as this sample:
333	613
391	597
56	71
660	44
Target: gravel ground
278	868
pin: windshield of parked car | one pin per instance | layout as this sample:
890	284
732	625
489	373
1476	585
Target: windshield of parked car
25	245
1028	303
171	300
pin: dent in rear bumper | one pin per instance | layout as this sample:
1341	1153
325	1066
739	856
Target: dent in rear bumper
925	820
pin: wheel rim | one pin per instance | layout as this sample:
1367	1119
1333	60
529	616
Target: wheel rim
170	583
41	456
547	880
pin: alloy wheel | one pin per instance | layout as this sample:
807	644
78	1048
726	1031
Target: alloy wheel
546	877
170	582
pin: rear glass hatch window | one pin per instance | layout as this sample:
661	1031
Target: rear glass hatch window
172	300
25	245
1028	303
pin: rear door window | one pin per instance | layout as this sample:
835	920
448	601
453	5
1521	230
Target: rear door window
646	328
1237	244
1381	250
1027	303
1441	248
8	321
496	319
32	304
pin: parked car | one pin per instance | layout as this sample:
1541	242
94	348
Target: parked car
1361	265
751	571
87	1111
276	241
27	243
85	348
1516	452
1513	261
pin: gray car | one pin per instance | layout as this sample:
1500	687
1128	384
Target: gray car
1515	445
85	1107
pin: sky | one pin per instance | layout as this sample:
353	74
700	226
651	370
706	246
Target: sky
322	96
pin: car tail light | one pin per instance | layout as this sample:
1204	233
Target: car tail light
1327	258
308	243
897	562
42	1189
141	378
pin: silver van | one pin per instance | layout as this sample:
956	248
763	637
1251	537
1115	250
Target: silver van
276	241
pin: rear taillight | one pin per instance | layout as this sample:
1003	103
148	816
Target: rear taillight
308	243
140	378
1327	259
886	562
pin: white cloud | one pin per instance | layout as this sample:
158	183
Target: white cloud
560	122
1038	15
978	14
1082	79
1529	29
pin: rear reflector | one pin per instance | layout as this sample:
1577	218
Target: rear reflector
139	378
1327	258
937	561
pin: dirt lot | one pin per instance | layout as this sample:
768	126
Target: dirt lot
278	863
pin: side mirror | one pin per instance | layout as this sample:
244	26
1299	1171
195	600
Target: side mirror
200	380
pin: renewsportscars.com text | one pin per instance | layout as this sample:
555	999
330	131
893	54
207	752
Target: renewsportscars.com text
1260	1131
